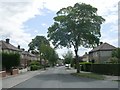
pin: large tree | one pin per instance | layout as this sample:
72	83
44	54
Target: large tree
76	26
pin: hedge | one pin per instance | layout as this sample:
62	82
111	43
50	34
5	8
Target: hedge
107	69
10	60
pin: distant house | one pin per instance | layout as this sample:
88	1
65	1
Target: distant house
101	53
25	56
85	57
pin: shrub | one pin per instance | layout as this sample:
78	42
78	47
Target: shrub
10	60
35	65
113	60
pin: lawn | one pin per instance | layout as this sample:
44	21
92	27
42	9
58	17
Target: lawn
90	75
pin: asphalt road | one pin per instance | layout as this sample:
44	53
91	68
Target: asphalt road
59	77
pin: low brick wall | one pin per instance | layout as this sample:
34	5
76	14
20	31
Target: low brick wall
15	71
2	73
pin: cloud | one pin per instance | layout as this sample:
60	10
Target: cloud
13	14
12	18
108	9
44	25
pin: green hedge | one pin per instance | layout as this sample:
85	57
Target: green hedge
10	60
85	66
107	69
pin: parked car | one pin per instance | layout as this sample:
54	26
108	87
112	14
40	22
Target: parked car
57	65
66	65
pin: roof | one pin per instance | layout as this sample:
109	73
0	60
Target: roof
8	46
103	47
32	55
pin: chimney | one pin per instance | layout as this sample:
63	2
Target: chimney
18	46
7	41
23	49
101	43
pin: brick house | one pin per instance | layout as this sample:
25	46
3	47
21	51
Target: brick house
101	53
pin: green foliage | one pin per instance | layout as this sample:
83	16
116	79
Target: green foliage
37	41
48	53
35	65
107	69
68	57
76	26
86	66
90	75
10	60
85	63
113	60
116	54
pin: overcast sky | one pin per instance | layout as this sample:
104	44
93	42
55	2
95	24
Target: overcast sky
22	20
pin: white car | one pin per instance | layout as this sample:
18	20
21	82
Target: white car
57	65
66	65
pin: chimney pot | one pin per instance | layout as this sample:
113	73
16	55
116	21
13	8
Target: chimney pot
23	49
18	46
101	43
7	40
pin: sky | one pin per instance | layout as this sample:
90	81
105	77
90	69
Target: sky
22	20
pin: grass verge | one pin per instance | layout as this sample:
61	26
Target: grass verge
117	80
89	75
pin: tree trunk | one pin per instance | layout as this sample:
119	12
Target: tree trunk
77	61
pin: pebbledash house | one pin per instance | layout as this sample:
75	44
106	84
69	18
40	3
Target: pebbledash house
102	53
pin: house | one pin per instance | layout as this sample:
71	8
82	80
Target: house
85	57
8	48
101	53
25	56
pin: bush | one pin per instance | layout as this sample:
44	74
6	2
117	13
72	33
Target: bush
35	65
10	60
113	60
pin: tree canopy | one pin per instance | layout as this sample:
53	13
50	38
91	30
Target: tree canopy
37	41
68	57
115	56
116	53
76	26
48	53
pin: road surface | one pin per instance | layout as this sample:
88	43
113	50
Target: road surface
59	77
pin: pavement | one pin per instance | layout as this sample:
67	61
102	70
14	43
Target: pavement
10	81
57	77
107	77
